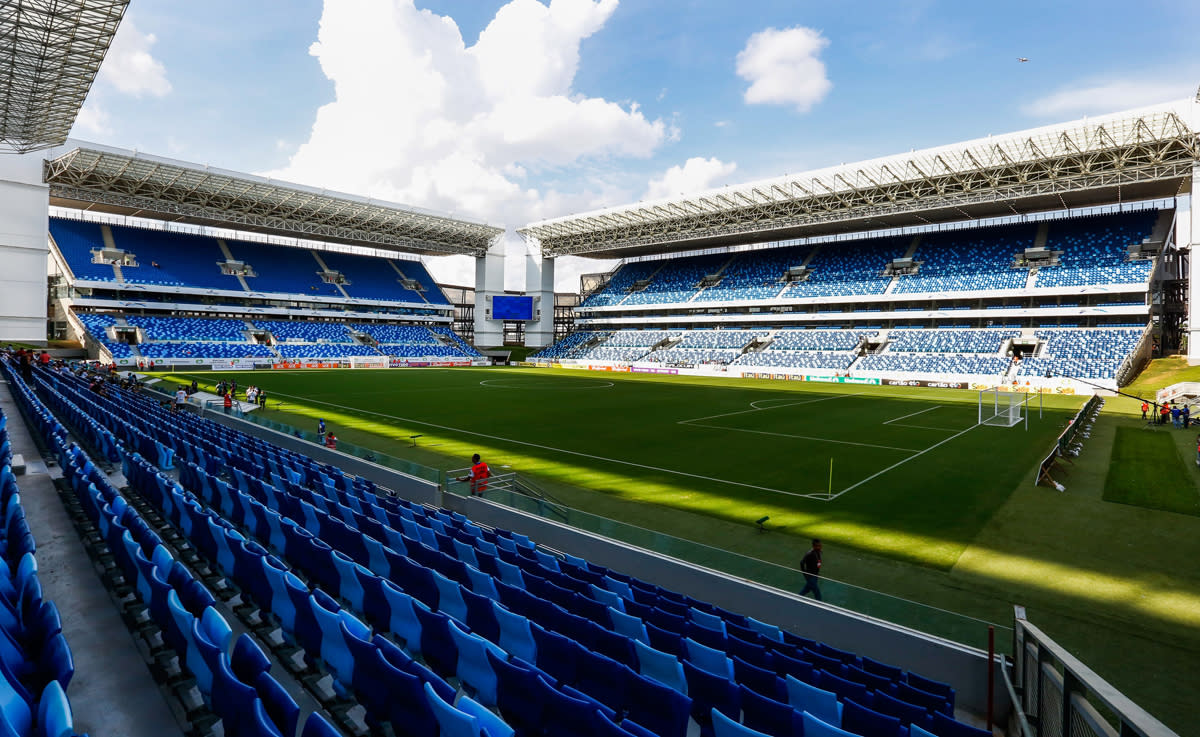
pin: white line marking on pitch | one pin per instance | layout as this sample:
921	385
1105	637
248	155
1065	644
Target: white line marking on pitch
901	463
763	409
914	414
805	437
543	447
927	427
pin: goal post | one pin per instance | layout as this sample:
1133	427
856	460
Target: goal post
1001	409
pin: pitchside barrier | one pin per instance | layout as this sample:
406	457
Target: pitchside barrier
1063	442
1056	695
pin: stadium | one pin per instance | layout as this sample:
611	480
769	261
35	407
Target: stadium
238	418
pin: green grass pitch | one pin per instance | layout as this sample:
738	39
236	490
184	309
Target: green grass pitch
893	470
929	507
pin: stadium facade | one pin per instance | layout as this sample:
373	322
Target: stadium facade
1029	249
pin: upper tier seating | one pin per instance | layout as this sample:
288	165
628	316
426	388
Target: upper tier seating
968	260
283	269
678	281
370	278
611	353
75	240
182	259
552	643
1095	250
173	259
208	349
624	278
755	275
849	268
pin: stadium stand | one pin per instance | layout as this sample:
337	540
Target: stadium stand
948	341
1082	353
174	259
397	601
969	260
75	240
306	332
622	281
1095	250
569	346
36	665
846	269
755	275
678	280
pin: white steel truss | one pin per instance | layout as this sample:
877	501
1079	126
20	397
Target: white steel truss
1128	151
50	51
149	186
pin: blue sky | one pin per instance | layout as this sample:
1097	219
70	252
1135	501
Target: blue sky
516	111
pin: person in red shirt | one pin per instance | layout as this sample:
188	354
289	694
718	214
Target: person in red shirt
228	403
1145	409
480	473
44	359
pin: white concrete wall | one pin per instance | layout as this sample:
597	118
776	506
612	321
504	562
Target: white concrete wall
489	281
539	283
1187	237
24	248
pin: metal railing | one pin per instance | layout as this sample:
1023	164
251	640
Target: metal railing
931	620
1055	695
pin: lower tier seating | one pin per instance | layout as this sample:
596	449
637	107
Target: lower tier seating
400	603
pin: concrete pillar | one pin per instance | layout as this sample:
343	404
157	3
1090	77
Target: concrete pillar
539	283
1187	236
489	281
24	248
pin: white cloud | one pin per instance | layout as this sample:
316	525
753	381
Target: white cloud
783	67
696	174
130	68
92	120
1106	97
419	117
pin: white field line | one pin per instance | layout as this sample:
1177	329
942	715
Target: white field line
914	414
804	437
901	463
927	427
359	410
763	409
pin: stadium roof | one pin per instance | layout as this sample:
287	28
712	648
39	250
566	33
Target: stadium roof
53	49
1126	156
99	178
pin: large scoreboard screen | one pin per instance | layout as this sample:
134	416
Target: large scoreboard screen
507	307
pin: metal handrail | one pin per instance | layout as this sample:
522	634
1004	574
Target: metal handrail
1079	682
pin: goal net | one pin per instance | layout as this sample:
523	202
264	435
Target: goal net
1001	409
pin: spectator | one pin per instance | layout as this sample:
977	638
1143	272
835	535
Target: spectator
44	359
810	566
1145	409
228	403
180	398
331	441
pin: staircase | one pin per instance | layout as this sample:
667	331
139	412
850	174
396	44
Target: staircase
405	276
229	257
912	249
720	271
111	244
324	267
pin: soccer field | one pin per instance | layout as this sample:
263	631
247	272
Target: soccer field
898	471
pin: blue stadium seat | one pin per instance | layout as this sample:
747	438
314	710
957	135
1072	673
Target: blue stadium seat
804	697
723	726
767	715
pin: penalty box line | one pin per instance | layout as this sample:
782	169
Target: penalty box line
543	447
